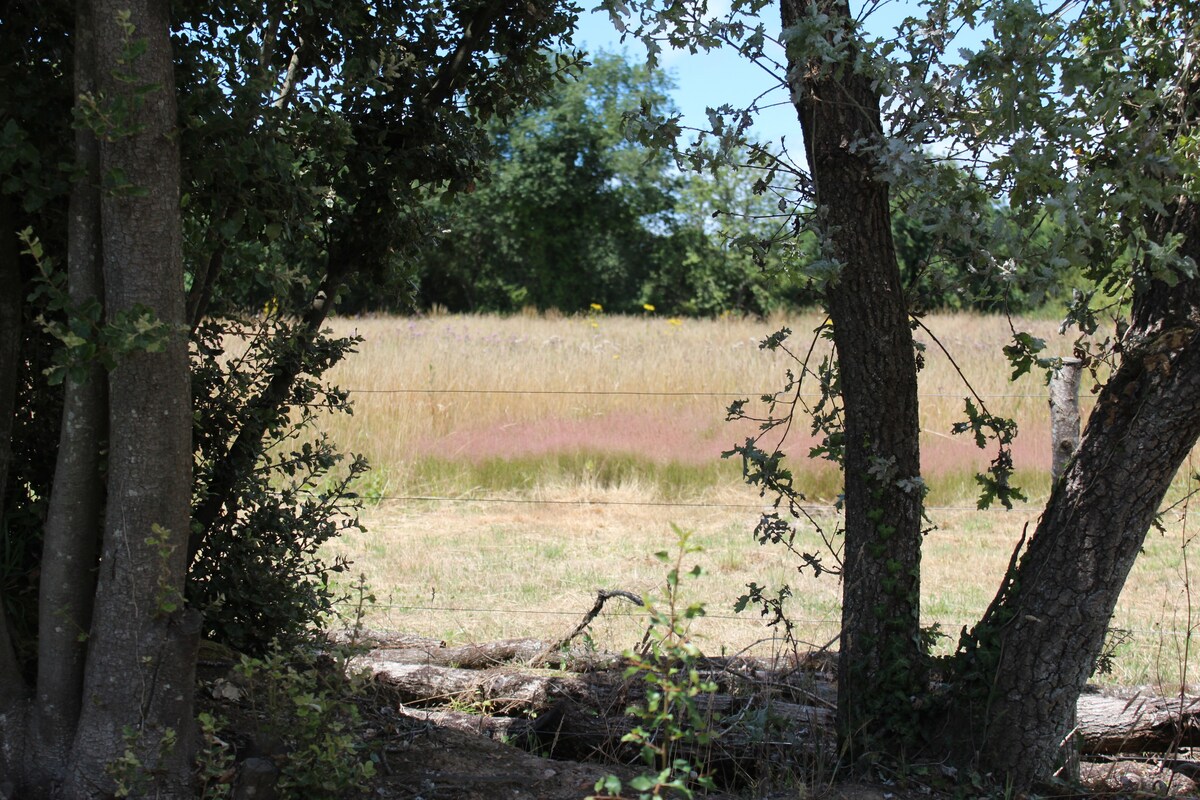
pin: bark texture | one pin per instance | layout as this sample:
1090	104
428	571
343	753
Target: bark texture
1049	623
12	685
1064	415
880	658
73	522
141	650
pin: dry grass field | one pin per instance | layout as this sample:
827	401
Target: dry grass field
522	463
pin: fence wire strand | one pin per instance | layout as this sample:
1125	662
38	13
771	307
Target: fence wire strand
1144	639
668	393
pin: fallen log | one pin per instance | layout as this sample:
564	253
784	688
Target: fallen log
419	679
491	727
502	690
530	652
1136	724
742	729
1106	723
471	656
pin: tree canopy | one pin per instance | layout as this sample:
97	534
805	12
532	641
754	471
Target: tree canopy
575	212
223	160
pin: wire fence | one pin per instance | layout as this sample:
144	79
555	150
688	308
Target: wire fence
417	617
758	507
638	613
668	393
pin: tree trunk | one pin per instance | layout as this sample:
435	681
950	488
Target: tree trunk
73	522
1048	625
12	684
880	664
141	648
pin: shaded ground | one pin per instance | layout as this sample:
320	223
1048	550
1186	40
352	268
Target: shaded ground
441	764
438	764
416	757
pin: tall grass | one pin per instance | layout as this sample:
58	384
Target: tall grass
455	403
595	433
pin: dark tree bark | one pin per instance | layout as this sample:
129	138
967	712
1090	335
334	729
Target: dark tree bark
1048	624
12	685
141	648
880	662
73	522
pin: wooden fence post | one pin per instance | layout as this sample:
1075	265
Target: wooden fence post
1064	414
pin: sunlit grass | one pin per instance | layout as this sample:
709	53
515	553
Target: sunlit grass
593	434
484	571
464	402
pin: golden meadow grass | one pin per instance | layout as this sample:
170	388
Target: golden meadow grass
591	435
440	395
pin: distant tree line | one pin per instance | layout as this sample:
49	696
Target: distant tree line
574	213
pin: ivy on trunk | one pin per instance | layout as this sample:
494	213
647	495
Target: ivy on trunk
881	666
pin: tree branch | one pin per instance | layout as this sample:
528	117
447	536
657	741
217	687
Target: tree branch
452	70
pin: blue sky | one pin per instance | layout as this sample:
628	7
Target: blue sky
719	77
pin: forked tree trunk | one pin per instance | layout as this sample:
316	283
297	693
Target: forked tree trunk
1048	625
72	533
141	649
880	662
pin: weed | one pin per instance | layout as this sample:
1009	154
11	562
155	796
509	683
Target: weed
216	761
675	730
307	720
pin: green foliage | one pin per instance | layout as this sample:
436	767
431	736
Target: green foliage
133	772
995	483
216	761
571	212
577	213
83	337
314	138
766	470
724	254
311	142
309	714
1023	355
311	138
35	116
1078	119
258	576
674	727
949	263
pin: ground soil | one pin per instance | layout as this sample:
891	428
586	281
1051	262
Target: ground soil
423	761
438	764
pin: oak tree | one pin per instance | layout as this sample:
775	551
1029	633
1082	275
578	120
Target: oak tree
1084	116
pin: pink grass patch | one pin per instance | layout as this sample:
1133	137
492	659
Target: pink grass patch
696	438
687	438
942	454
